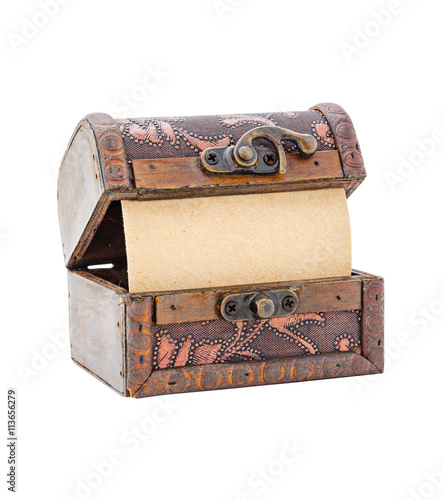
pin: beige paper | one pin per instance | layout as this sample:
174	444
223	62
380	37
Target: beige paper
233	240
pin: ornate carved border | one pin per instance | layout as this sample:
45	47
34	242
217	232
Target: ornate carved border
347	143
373	322
114	166
226	376
138	342
296	369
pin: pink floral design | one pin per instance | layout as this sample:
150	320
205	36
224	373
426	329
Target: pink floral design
169	352
322	132
156	132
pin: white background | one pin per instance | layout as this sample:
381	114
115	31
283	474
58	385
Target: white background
363	438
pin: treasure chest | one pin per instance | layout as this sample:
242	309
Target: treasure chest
214	252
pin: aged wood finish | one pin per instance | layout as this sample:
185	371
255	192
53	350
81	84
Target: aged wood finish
108	242
97	325
115	170
245	374
138	342
102	312
98	137
346	142
179	173
203	306
93	168
111	329
373	322
79	203
355	276
223	376
143	194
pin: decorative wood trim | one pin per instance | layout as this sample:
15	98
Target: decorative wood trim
115	170
141	381
244	374
225	376
138	343
96	141
346	141
111	178
112	316
372	338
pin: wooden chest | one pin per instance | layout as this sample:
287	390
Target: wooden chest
213	252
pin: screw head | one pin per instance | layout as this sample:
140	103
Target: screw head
231	308
289	303
212	157
270	158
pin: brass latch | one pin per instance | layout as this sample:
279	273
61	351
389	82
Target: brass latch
244	157
259	305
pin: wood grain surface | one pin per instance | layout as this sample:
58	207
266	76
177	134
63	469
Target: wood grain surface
203	306
177	173
97	325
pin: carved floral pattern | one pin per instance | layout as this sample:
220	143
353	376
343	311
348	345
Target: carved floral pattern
178	137
195	348
156	132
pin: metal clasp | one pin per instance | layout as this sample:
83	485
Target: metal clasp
259	305
244	157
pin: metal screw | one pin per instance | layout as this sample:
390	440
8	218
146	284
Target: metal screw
212	158
270	158
231	308
288	303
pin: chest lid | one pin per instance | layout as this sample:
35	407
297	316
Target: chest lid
108	161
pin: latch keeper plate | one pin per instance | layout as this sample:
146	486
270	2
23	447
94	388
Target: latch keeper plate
259	305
